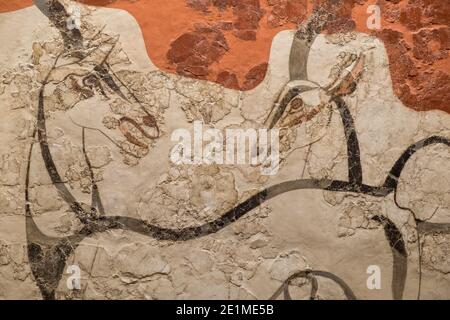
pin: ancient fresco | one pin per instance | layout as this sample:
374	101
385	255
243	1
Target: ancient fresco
348	123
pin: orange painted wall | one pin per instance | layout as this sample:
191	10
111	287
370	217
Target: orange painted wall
228	41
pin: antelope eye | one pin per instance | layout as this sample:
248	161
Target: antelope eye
296	104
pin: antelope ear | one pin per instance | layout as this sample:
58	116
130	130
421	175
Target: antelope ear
347	84
14	5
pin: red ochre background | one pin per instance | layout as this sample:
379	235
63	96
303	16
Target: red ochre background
228	41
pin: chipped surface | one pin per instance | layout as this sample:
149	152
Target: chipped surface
86	177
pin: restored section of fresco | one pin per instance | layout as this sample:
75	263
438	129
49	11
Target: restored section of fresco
87	182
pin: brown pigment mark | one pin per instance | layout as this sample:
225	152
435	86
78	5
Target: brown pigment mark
193	52
228	80
415	33
255	76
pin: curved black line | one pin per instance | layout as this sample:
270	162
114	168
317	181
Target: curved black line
96	200
302	43
315	273
47	255
355	174
399	255
50	164
314	288
392	179
57	15
139	226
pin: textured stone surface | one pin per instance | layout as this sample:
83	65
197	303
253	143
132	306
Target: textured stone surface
128	123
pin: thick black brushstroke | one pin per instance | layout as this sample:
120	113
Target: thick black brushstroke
392	179
120	222
73	39
302	43
353	153
47	255
96	201
58	15
50	164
